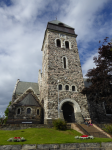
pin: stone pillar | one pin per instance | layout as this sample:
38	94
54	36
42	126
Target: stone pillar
78	117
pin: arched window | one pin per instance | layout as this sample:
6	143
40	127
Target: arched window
58	43
64	61
67	87
28	110
37	111
73	88
60	87
67	44
18	111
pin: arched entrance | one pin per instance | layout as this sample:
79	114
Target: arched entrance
70	105
68	112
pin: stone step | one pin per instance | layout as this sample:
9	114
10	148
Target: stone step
91	130
68	125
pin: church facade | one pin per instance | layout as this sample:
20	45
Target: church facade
57	93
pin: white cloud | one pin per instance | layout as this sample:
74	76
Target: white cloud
20	46
88	64
82	15
22	27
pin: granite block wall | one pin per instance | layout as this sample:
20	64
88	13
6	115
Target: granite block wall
54	73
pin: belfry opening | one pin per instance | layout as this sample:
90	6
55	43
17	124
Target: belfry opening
68	112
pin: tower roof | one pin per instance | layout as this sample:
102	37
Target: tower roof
59	26
56	22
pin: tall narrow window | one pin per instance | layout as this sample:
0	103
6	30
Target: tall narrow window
67	44
67	87
58	43
60	87
18	111
64	61
28	110
73	88
37	111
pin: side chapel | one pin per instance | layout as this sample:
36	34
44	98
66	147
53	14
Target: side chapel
57	93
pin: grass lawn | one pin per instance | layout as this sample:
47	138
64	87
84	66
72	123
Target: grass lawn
45	136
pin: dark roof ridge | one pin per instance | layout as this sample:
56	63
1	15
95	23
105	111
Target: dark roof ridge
56	22
28	82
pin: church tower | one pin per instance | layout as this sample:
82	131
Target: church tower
61	79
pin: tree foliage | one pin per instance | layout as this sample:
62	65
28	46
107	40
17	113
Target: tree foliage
7	110
60	124
101	76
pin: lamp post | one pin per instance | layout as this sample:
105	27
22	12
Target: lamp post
58	101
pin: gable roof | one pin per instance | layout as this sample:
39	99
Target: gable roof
23	86
29	100
29	97
56	22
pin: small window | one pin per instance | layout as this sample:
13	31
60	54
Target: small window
28	110
60	87
18	111
64	61
73	88
37	111
67	44
58	43
67	87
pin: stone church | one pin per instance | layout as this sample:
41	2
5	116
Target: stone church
57	93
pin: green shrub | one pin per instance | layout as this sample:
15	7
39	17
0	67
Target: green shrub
7	110
3	120
59	124
108	129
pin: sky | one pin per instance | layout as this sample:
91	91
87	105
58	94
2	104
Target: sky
22	27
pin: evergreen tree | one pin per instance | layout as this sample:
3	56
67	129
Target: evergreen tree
101	76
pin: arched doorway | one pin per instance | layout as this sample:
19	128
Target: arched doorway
68	112
77	116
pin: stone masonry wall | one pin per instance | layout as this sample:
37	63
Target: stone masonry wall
52	71
44	84
14	92
40	80
14	117
67	146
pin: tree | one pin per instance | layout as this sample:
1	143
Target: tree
3	120
111	43
101	76
7	110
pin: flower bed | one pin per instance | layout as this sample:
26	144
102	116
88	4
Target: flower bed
84	137
17	139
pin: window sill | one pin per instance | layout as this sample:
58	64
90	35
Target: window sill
67	91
